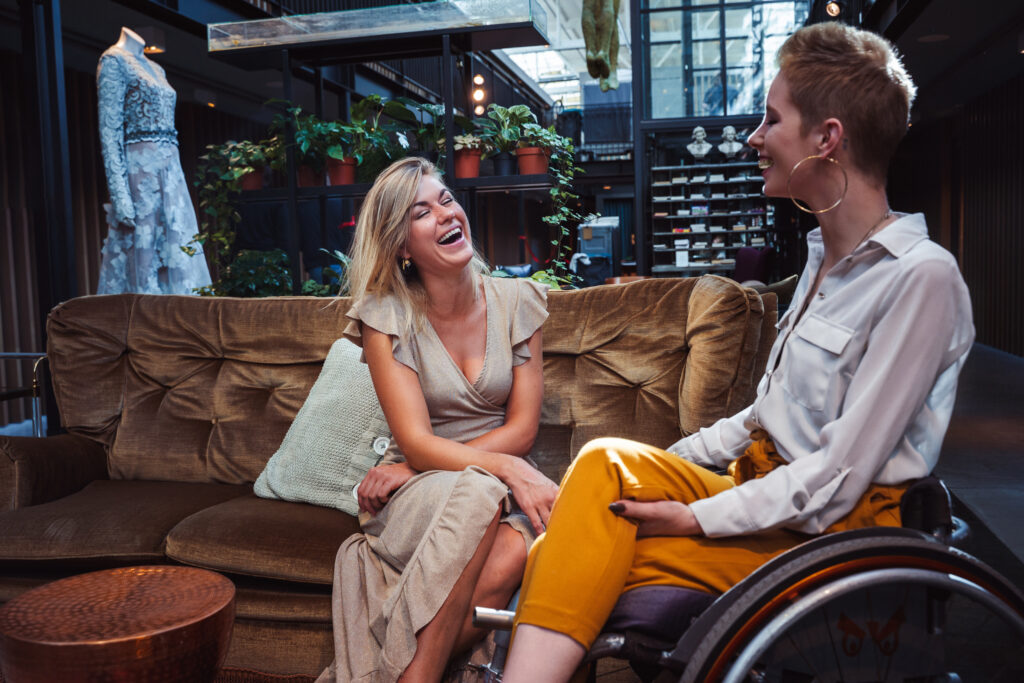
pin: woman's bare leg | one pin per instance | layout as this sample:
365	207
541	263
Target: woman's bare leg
436	640
539	654
501	576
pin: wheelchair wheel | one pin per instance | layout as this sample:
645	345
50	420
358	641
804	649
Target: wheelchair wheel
863	606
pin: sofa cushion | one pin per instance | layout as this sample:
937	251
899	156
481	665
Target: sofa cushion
108	523
190	388
651	360
324	455
271	539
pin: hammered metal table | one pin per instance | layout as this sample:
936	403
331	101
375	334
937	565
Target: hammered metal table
145	624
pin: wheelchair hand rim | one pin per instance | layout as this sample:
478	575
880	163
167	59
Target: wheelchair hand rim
820	596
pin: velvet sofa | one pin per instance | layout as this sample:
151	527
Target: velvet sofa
173	405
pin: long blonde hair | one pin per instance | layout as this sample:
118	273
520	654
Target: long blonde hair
382	230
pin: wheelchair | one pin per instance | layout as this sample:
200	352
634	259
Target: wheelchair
876	604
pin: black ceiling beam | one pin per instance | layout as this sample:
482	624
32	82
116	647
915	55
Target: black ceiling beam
897	15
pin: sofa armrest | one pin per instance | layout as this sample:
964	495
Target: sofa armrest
37	470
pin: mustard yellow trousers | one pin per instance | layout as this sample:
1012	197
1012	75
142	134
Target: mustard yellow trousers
589	556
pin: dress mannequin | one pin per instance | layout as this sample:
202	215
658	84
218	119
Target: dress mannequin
730	146
700	146
150	215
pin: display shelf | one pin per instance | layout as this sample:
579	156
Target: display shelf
711	232
667	200
740	201
481	184
730	214
695	267
717	247
724	165
379	33
500	183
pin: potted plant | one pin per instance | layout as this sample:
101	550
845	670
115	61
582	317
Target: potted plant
501	130
310	143
371	143
425	122
250	159
341	162
535	147
468	150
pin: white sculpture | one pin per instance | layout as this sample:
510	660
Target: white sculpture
700	146
730	146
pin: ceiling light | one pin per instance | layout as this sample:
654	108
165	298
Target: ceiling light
478	79
479	110
833	9
207	97
478	95
606	187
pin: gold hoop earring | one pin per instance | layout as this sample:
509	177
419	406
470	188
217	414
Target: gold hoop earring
805	208
405	264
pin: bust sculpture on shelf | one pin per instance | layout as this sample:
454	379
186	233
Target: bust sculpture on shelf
730	146
700	146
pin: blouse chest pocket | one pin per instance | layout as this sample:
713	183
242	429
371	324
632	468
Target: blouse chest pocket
813	360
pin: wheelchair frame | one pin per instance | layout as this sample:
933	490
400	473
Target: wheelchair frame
729	639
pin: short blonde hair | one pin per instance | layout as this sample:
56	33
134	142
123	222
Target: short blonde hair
835	70
382	230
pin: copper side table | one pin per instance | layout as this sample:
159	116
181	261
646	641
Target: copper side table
145	624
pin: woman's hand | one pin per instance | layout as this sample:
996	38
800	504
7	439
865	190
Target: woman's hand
658	517
379	483
534	492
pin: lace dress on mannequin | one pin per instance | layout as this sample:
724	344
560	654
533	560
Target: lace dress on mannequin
150	215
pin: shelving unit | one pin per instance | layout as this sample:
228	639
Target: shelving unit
378	33
703	213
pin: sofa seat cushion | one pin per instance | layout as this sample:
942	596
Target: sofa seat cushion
108	523
271	539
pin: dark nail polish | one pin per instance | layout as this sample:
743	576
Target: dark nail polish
617	508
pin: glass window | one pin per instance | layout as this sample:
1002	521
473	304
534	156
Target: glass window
715	57
666	26
704	25
666	81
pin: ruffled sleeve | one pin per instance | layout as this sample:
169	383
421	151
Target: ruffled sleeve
531	310
383	314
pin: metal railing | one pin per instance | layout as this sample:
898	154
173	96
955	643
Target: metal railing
34	392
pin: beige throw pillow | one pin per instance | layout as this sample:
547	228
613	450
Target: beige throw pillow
338	435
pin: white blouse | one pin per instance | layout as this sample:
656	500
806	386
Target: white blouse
859	391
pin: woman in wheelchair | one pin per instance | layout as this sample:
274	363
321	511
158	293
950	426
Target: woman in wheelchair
852	409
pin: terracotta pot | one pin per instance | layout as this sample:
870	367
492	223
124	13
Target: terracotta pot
467	163
503	164
341	171
532	160
253	180
307	177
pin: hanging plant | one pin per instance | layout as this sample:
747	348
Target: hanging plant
565	216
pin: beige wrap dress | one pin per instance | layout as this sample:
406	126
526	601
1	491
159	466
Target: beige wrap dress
390	580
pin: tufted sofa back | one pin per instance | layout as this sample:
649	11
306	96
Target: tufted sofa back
203	389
